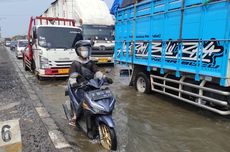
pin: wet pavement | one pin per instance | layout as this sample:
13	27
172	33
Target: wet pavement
144	123
26	132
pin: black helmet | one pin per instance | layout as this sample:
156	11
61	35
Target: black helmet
83	48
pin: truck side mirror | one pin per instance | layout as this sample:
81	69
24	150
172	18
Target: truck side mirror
92	42
125	72
34	34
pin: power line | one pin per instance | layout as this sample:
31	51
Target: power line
12	1
4	16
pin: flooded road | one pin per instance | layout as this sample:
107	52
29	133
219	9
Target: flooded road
144	123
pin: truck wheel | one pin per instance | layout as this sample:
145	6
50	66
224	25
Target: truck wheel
33	67
24	65
142	83
16	54
40	78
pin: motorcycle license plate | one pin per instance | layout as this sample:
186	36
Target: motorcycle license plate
63	71
100	94
103	60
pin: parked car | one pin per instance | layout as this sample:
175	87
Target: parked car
13	45
7	43
21	45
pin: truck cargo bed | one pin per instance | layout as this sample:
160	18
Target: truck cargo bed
190	36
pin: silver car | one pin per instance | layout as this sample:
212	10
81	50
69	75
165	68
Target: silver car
21	45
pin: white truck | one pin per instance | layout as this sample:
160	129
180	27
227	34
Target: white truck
50	51
94	18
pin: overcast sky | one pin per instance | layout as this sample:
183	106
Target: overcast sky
15	14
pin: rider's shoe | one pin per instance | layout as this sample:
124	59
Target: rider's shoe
72	122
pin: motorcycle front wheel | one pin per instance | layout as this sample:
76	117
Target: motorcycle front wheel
108	137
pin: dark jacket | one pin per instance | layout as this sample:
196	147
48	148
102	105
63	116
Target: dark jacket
86	70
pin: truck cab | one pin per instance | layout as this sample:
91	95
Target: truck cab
51	51
103	42
96	22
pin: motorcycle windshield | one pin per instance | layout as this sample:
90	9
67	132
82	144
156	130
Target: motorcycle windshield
96	83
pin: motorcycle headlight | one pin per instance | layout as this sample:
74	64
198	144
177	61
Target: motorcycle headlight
97	108
44	62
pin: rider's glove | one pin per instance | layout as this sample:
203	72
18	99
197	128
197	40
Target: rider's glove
72	81
99	75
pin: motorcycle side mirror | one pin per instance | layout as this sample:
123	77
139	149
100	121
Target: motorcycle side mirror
92	43
74	75
125	72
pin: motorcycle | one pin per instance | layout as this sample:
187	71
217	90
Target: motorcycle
98	103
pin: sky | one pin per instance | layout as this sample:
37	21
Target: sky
15	14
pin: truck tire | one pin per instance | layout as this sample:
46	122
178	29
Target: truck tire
40	78
24	65
16	54
33	67
142	83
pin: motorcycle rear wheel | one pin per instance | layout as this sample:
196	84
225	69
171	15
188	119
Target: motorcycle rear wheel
108	137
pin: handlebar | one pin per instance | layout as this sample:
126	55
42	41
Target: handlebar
93	83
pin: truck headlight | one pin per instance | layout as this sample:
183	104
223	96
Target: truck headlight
44	62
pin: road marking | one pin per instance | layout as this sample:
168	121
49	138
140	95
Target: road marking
9	106
10	140
42	112
58	139
56	136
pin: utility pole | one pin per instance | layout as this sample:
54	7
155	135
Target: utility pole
1	18
0	32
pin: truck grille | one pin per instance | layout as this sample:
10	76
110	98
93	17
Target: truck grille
102	52
61	63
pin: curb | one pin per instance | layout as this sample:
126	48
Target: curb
57	137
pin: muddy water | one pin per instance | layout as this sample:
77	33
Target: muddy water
146	123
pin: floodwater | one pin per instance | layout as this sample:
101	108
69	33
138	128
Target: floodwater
145	123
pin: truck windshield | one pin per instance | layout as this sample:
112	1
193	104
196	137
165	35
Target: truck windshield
22	43
58	37
97	32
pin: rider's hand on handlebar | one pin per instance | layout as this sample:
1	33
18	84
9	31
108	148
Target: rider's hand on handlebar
99	75
83	83
75	85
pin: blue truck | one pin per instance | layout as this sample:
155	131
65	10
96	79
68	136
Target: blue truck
178	48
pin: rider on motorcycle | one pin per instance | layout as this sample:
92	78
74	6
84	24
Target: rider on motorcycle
86	69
